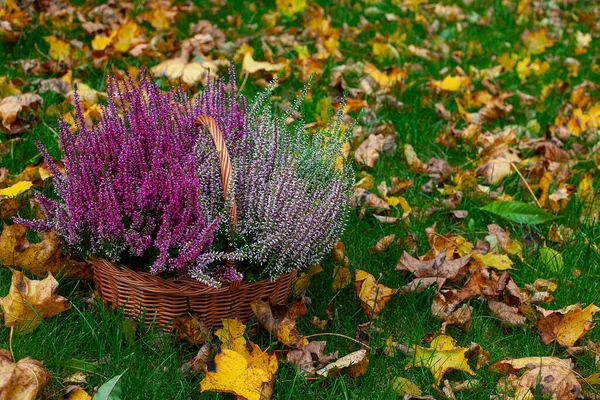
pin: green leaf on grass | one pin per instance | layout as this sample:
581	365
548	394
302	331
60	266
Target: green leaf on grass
111	390
519	212
552	259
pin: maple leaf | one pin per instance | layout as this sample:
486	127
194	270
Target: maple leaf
552	376
367	153
355	364
440	267
373	296
566	325
440	357
281	321
382	244
249	374
30	301
23	380
12	106
311	357
537	40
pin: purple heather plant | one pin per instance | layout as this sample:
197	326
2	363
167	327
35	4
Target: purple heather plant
132	186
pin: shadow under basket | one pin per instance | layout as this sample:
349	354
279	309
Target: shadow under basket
164	300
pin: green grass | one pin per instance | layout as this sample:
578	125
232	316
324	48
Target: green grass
151	360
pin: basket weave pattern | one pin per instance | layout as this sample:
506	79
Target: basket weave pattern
167	299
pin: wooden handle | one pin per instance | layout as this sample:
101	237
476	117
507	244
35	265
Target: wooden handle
224	159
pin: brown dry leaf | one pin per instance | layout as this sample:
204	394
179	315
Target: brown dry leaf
382	244
510	316
440	357
303	280
566	325
30	301
281	321
39	258
373	296
248	374
341	277
361	197
11	106
445	306
310	357
419	285
413	161
552	376
23	380
367	153
355	365
440	267
191	329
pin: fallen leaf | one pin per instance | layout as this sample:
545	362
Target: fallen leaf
510	316
16	189
75	393
191	329
373	296
250	66
566	325
440	357
403	387
281	321
11	106
382	244
290	7
497	261
23	380
355	363
552	376
367	153
341	277
440	267
310	357
303	280
30	301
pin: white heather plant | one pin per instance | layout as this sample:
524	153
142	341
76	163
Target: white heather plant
291	188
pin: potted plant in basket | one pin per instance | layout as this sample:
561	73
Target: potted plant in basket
196	205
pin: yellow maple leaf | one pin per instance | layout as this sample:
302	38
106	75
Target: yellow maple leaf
22	380
125	36
496	261
537	41
59	49
30	301
291	7
373	296
341	277
101	42
527	68
452	83
566	325
16	189
232	374
250	66
441	357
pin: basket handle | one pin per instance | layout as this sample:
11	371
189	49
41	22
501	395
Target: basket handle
224	159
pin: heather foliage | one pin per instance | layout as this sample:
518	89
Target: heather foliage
130	187
291	188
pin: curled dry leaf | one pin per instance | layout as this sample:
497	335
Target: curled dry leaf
509	316
382	244
362	197
445	306
75	393
367	153
30	301
440	267
191	329
281	321
566	325
373	296
552	376
341	277
303	280
355	365
11	106
23	380
440	357
39	258
311	357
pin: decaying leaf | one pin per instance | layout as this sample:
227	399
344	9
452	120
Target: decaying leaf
355	364
30	301
403	387
23	380
303	280
566	325
550	375
39	258
440	357
373	296
382	244
12	106
341	277
191	329
311	357
440	267
281	321
367	153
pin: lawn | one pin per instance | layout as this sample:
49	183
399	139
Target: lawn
478	102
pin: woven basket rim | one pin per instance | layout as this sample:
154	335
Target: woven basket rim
183	287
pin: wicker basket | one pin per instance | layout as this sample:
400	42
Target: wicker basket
167	299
